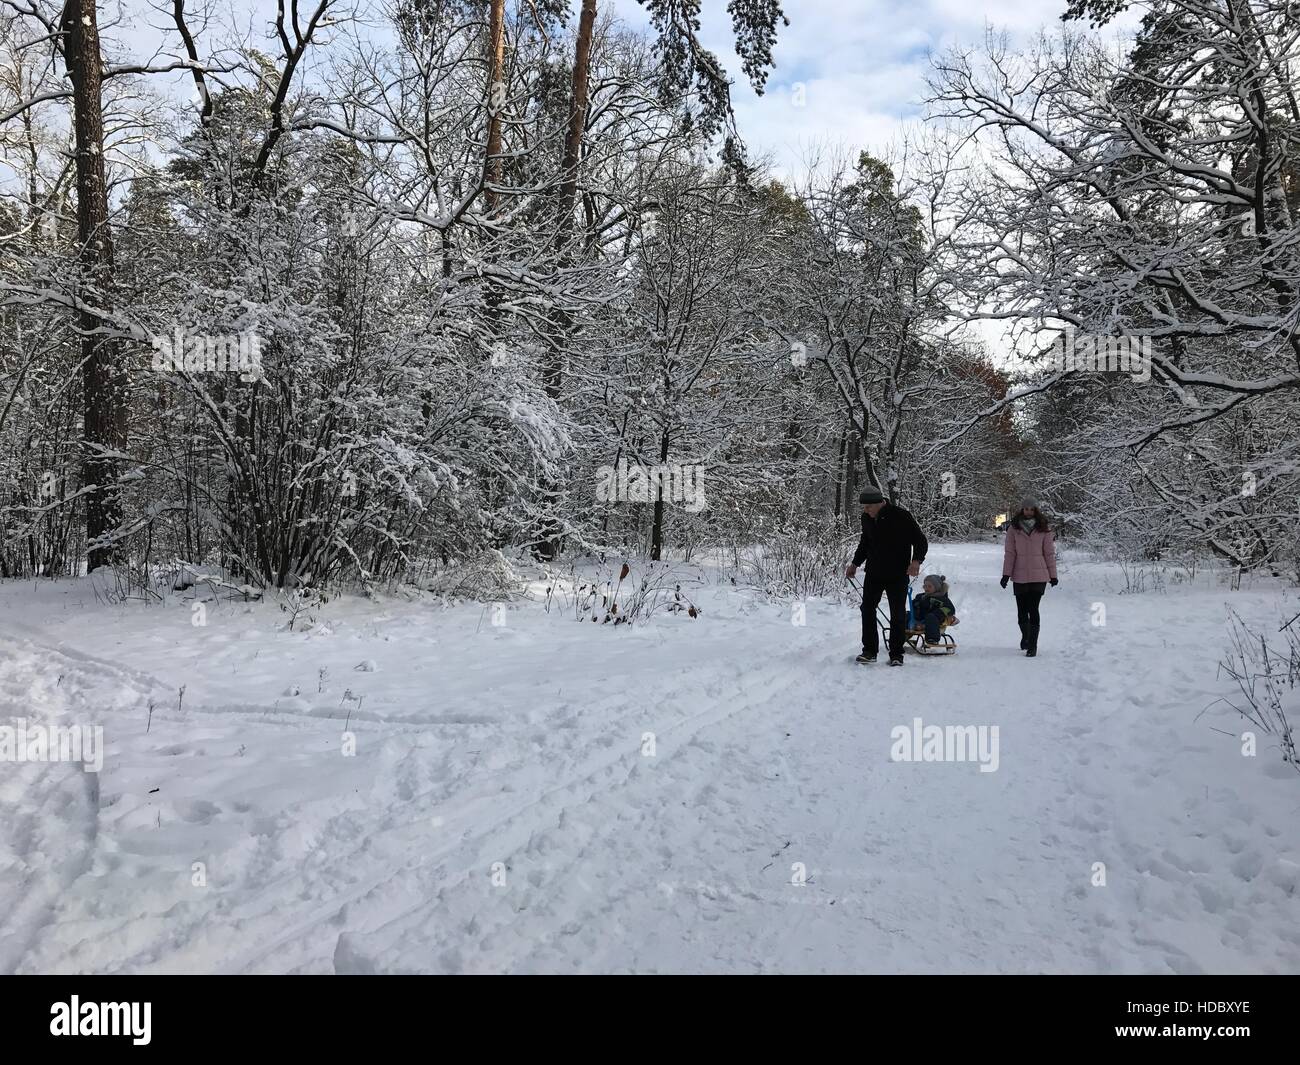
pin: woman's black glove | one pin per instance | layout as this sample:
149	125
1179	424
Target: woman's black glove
1004	581
1053	582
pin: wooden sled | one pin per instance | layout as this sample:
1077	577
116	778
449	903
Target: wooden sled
915	639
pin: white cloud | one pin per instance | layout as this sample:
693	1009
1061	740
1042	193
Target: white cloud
862	64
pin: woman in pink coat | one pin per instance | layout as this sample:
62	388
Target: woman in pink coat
1029	561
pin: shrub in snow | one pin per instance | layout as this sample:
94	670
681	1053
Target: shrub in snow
798	563
298	605
625	602
127	582
487	577
1269	679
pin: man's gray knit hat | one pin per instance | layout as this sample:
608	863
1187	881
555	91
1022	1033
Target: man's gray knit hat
870	495
1031	503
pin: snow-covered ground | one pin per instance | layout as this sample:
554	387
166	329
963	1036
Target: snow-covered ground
503	813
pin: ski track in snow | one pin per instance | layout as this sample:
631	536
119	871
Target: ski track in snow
522	746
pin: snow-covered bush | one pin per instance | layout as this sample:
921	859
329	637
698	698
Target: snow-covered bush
1268	676
799	563
486	578
624	599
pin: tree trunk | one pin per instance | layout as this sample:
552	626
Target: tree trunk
657	530
561	324
577	112
496	100
104	381
840	475
851	479
569	173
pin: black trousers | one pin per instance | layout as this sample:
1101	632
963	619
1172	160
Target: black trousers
895	588
1028	596
933	620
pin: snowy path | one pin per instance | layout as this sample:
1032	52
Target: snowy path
522	746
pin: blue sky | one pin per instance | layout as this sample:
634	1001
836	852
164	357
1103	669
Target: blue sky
861	63
858	65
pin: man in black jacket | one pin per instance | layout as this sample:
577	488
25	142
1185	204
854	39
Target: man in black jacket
893	548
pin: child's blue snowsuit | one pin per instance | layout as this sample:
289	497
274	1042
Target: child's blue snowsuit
931	611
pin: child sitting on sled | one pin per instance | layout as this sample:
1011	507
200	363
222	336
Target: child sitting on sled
933	607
